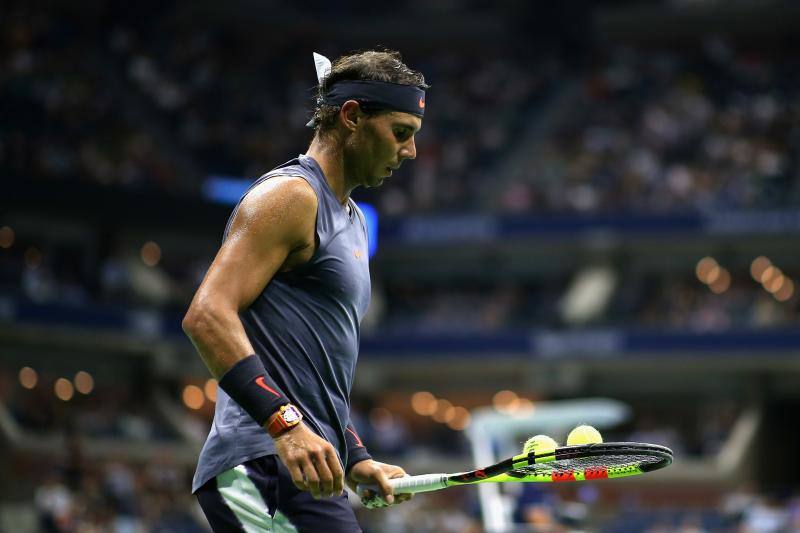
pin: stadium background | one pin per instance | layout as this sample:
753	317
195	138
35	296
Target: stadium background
604	204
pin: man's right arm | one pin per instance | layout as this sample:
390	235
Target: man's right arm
274	225
273	222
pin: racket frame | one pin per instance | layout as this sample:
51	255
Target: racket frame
502	471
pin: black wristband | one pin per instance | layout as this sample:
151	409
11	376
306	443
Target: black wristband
249	385
356	451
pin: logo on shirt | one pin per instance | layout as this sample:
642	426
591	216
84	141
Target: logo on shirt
357	253
358	440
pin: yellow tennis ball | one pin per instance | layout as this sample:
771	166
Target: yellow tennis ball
539	444
584	435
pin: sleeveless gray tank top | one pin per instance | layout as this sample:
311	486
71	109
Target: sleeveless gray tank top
305	328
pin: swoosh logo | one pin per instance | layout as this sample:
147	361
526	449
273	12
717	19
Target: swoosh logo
422	102
358	441
260	383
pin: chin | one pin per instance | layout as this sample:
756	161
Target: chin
374	181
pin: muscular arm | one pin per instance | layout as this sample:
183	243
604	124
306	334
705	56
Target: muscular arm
273	227
272	231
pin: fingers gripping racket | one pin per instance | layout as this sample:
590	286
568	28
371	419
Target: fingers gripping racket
567	463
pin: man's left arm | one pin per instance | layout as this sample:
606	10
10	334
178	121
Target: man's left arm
362	469
356	451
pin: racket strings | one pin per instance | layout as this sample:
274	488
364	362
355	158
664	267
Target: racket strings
589	463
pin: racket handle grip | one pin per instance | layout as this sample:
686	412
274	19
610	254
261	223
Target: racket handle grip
411	484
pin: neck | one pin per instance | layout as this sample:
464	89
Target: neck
330	157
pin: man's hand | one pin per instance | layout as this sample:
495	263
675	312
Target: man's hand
312	462
376	473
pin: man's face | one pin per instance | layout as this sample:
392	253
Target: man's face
380	144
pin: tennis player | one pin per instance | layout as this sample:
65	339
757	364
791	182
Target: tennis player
276	319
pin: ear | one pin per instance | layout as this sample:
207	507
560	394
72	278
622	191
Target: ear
350	114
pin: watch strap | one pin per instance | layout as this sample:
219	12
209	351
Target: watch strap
277	424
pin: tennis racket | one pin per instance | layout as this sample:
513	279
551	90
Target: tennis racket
608	460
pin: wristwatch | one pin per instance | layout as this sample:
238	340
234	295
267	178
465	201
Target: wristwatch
284	419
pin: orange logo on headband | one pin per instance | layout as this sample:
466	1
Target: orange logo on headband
422	102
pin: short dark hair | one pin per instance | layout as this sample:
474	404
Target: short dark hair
375	65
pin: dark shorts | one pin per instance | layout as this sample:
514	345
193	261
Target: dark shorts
259	496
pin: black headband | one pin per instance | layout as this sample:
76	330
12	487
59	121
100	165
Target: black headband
378	94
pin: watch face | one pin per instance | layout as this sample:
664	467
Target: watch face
291	415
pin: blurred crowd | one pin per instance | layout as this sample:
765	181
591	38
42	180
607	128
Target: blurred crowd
95	268
126	498
105	410
116	496
100	276
149	101
121	495
68	112
144	99
74	491
685	304
667	301
696	429
703	129
740	510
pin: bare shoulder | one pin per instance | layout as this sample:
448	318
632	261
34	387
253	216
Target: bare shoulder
290	193
286	204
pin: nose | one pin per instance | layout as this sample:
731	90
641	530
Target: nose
409	150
